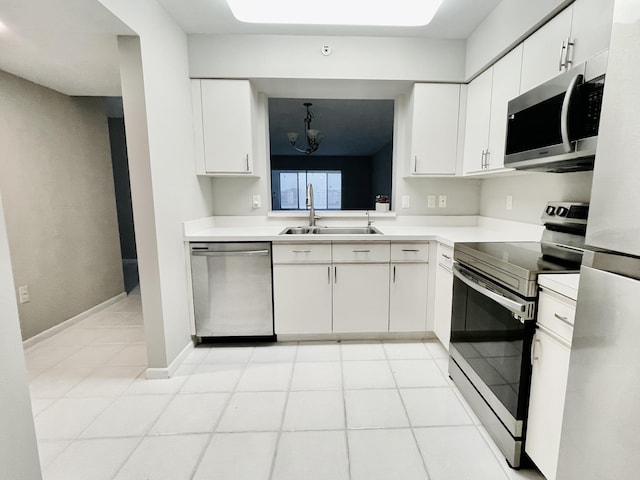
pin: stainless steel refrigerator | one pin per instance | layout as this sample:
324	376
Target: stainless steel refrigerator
601	426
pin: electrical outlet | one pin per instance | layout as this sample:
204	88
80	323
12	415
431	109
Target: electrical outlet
23	293
509	202
442	201
257	201
431	201
405	201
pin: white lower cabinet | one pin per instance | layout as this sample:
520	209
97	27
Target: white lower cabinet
361	298
302	298
346	287
550	360
443	295
408	297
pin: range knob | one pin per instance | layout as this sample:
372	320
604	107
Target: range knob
562	211
551	210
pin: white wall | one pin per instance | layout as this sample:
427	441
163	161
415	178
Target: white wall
505	27
531	191
295	56
18	447
57	184
165	189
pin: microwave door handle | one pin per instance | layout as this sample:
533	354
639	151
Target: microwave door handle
564	115
511	305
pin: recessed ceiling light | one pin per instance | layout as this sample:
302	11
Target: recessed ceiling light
400	13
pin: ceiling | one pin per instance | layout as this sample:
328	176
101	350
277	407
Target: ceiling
348	127
456	19
70	45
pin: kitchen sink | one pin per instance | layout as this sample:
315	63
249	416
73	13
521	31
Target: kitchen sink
296	230
346	231
330	231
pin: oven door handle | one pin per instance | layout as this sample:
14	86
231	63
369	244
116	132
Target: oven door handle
511	305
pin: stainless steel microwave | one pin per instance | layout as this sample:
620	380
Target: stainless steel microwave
554	127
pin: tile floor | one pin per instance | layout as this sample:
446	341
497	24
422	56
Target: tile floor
330	411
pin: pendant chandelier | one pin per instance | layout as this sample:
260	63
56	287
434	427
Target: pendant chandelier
314	138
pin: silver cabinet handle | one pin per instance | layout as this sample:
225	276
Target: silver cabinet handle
410	250
394	274
482	159
487	157
564	114
446	256
229	254
301	251
534	357
563	49
360	251
247	159
335	274
415	164
329	275
562	319
511	305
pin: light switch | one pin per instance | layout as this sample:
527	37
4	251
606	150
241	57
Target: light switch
442	201
257	201
431	201
509	202
405	201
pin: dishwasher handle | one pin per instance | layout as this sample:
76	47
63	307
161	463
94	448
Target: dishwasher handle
205	253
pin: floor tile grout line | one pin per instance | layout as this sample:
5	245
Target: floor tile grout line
284	413
344	412
222	412
406	412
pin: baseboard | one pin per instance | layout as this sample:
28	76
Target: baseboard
50	332
163	373
292	337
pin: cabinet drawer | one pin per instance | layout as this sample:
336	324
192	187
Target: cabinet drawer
557	313
445	256
361	252
409	252
301	253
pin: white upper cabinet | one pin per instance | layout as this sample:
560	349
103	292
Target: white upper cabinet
505	86
575	34
590	28
476	138
433	118
543	53
223	127
486	122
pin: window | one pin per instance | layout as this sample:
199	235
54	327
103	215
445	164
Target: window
290	189
353	164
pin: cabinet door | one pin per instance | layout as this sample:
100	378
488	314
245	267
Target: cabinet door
361	298
442	310
226	124
408	297
434	132
546	403
476	139
542	51
505	86
302	298
590	28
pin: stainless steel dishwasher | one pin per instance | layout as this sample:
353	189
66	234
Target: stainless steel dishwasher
232	290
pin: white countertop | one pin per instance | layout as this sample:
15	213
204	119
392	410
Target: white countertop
563	283
481	230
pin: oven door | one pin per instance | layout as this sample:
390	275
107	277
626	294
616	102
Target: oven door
491	333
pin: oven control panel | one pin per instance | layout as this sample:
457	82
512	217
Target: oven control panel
565	212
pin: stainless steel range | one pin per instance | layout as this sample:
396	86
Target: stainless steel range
493	319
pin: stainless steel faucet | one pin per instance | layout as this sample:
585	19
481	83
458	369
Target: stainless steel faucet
312	210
